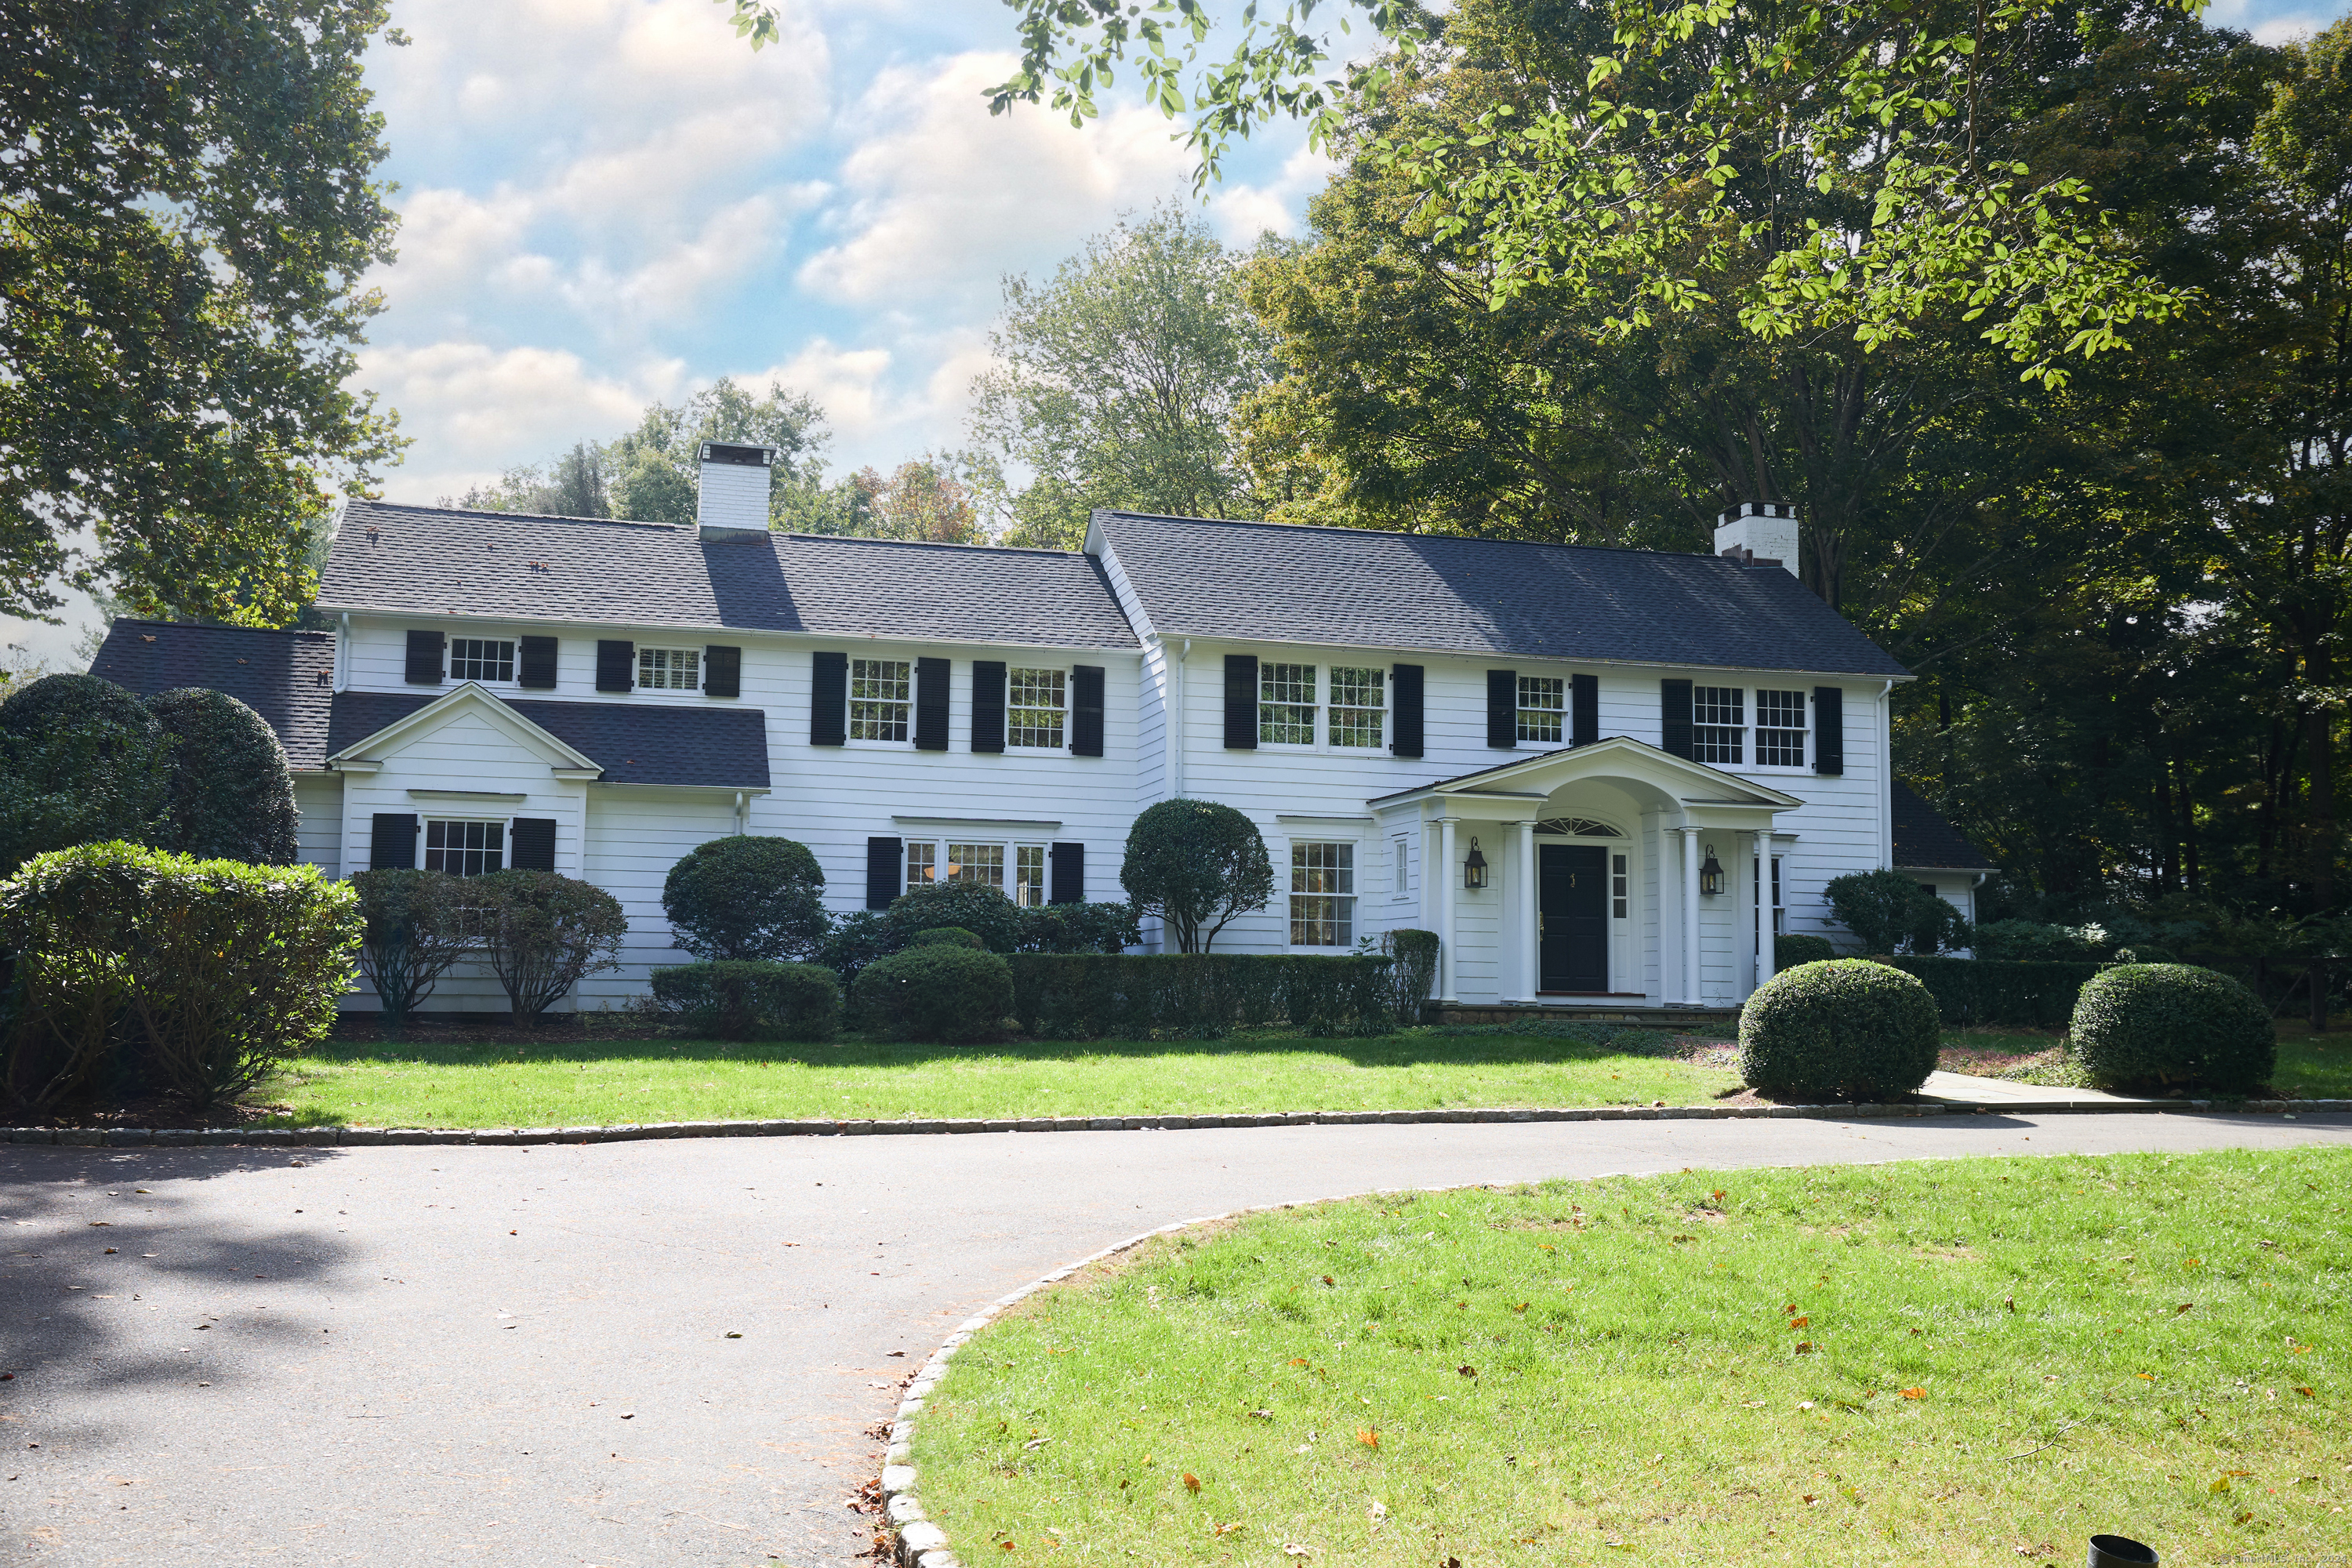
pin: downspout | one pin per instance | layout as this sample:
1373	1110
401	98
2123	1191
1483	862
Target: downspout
1182	684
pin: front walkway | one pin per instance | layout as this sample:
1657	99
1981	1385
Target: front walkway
1966	1088
524	1356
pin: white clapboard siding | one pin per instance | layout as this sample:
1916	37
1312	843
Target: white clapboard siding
319	832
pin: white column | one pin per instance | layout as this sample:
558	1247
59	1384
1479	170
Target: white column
1690	915
1761	895
1447	874
1531	967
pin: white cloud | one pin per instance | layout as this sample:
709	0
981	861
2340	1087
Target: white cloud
476	410
947	197
1242	213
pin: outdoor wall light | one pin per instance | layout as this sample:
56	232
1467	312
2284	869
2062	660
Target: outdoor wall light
1474	869
1710	874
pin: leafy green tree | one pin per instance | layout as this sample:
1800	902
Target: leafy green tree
670	436
186	208
1890	913
1195	864
81	761
1118	379
231	797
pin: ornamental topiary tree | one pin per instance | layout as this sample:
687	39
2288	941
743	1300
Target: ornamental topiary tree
1845	1029
81	762
2156	1025
1892	913
1196	864
748	899
545	935
231	796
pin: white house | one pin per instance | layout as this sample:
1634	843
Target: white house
1605	777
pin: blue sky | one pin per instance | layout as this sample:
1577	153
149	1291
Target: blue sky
606	202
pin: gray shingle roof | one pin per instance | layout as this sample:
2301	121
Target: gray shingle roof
437	561
1442	594
282	675
632	741
1924	841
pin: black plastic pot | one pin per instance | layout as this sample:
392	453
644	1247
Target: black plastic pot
2118	1552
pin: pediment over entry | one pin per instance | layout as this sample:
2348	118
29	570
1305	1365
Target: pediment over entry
1661	780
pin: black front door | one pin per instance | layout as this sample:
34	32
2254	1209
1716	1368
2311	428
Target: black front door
1573	900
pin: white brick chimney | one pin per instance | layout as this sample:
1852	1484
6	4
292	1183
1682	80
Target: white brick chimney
733	494
1759	534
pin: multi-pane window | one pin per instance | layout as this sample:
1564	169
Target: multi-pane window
465	849
1322	895
1617	887
670	669
981	863
1543	699
1029	875
922	863
1359	704
1401	862
1719	724
1780	729
481	659
1035	703
1285	704
881	696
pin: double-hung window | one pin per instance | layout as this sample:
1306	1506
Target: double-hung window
1719	724
1037	702
1322	895
1779	728
465	849
669	669
1016	871
1285	704
481	659
1353	708
1543	702
881	698
1359	706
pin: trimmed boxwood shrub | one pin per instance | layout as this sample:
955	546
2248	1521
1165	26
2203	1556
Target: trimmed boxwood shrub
2148	1026
81	762
1199	996
1970	992
947	936
544	933
942	991
67	917
747	898
231	795
1787	952
1845	1029
974	907
738	999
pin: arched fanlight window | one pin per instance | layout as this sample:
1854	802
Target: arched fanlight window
1577	827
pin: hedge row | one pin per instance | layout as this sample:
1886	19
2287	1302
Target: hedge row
1980	991
1200	995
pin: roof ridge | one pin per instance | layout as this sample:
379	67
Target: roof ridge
1395	534
532	516
934	544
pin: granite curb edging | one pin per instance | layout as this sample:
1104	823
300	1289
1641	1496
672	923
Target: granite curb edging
370	1137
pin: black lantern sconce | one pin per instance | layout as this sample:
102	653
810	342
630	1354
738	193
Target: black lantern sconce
1474	869
1710	874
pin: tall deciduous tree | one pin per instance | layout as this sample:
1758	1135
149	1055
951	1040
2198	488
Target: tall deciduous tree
186	208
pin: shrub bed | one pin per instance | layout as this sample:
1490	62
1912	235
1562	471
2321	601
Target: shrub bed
740	999
943	992
1199	996
1972	991
1848	1029
2145	1025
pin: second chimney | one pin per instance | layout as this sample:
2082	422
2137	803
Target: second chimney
732	498
1759	534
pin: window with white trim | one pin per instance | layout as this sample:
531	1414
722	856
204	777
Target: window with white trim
1779	728
1617	889
1543	702
1719	724
1401	863
922	863
481	659
669	669
1035	703
1028	887
465	848
881	697
1285	704
1322	895
1359	706
985	862
981	863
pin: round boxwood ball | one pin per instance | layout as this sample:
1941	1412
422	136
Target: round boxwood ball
946	936
1846	1029
2151	1025
941	992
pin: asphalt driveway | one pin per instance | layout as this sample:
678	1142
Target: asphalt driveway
529	1356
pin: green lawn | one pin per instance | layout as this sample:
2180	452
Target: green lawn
581	1083
1979	1361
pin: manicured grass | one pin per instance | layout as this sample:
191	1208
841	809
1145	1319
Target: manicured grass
1972	1361
582	1083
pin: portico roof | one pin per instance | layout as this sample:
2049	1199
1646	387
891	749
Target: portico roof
1534	777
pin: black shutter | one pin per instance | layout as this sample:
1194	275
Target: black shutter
988	705
1828	729
393	845
1404	712
829	700
1674	717
1241	701
616	665
1584	709
931	705
1502	707
537	664
722	670
1069	875
1086	710
425	657
530	844
882	860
